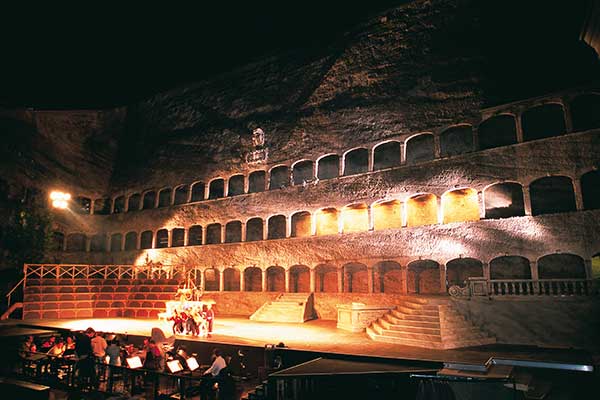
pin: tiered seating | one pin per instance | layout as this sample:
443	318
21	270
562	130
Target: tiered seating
100	298
288	307
428	323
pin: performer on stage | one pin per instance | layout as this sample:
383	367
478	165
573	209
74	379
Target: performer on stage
177	322
209	316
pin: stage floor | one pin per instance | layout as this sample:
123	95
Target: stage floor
319	336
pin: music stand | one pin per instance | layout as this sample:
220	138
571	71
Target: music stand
174	366
134	362
192	363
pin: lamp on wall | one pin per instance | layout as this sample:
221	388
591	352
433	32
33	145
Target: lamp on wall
60	200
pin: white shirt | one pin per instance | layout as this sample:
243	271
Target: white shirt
216	366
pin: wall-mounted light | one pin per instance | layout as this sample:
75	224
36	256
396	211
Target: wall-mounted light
60	200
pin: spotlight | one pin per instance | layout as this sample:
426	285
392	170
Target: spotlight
60	200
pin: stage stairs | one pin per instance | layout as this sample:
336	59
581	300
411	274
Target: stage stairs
287	307
429	323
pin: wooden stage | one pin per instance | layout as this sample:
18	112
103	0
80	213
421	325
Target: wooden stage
319	336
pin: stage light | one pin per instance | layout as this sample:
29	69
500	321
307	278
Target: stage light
192	363
134	362
174	366
60	200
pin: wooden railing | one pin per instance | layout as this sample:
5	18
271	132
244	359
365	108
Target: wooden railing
82	271
541	287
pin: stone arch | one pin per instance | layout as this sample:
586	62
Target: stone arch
596	268
279	177
327	221
116	240
459	269
356	161
146	240
419	148
216	188
497	131
164	197
235	186
355	278
503	200
303	171
211	279
301	224
387	277
256	181
460	205
98	243
149	200
102	206
252	279
510	267
326	278
276	227
82	205
590	190
543	121
299	279
133	202
585	112
131	241
275	279
355	218
181	194
422	209
386	155
119	205
198	190
231	279
552	194
456	140
76	242
213	233
233	232
328	166
561	266
58	241
178	237
387	215
423	276
254	229
162	238
195	235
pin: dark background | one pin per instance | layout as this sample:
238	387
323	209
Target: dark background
109	55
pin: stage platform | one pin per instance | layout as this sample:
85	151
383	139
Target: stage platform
319	336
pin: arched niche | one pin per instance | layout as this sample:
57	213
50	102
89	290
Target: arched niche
543	121
561	266
280	178
181	194
386	155
131	241
276	227
460	269
299	279
326	278
211	279
423	277
233	232
510	267
302	172
116	240
387	277
421	210
149	200
552	194
102	206
164	197
195	235
216	188
301	224
497	131
134	202
504	200
254	230
178	237
356	162
213	234
252	279
387	215
355	218
146	240
162	238
198	190
327	221
119	205
420	148
275	279
231	280
328	167
356	278
235	185
98	243
590	190
456	140
460	205
256	182
76	242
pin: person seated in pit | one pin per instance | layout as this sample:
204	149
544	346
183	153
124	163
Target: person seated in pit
207	386
113	352
26	346
69	347
48	343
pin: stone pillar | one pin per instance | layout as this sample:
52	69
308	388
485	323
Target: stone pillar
263	282
223	233
123	237
156	198
313	223
341	167
265	234
370	160
313	280
153	240
578	194
486	271
169	237
287	280
138	241
519	128
288	226
588	269
535	276
64	243
243	233
206	191
88	243
475	138
568	117
92	205
112	206
204	234
526	200
340	278
440	210
189	194
225	187
443	288
202	280
402	154
246	183
221	280
370	283
242	283
481	203
437	147
371	219
186	236
404	274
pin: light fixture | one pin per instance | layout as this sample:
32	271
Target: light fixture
60	200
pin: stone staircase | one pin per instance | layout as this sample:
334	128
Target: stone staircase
430	323
288	307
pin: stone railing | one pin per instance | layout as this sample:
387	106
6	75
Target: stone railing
78	271
524	287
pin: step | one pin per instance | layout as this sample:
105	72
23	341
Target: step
468	343
418	306
403	322
412	335
403	341
414	311
411	329
411	317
